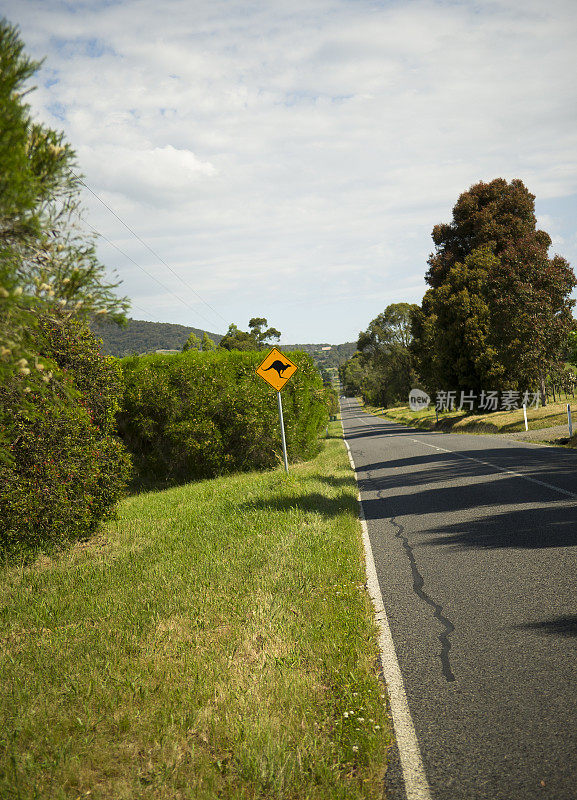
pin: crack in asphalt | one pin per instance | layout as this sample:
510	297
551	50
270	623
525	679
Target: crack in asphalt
418	584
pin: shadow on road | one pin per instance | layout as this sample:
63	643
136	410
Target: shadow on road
559	626
532	528
487	506
385	428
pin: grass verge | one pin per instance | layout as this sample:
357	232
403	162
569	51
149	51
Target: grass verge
215	641
496	422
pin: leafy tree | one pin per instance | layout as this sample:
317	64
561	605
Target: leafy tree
532	312
256	338
48	266
385	356
571	353
195	343
498	309
391	327
235	339
207	343
352	375
262	337
192	343
61	468
453	327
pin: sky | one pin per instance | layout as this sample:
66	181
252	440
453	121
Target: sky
288	159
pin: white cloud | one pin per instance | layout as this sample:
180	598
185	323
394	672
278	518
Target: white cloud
153	175
301	153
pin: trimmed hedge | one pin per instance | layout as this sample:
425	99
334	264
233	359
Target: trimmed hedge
65	468
201	414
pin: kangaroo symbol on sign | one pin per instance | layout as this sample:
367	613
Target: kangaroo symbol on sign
279	366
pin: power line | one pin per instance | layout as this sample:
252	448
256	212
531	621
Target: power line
144	311
154	253
150	275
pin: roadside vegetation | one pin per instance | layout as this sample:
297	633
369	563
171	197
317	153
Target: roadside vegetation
61	466
494	422
496	316
215	640
64	467
200	414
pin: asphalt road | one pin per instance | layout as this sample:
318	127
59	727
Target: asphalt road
475	544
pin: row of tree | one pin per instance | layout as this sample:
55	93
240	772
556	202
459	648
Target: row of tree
497	314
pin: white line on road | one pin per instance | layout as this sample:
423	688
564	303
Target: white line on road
487	463
416	784
499	469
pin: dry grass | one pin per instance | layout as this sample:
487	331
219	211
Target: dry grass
496	422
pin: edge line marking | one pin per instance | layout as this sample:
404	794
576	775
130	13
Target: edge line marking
415	779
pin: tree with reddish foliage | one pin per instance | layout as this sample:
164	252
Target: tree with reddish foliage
498	311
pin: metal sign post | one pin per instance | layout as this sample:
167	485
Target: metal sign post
282	432
276	370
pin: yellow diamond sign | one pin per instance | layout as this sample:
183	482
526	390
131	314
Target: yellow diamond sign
276	369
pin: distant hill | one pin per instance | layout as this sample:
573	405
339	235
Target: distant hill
146	337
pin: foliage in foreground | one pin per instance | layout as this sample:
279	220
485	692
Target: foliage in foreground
47	262
61	470
66	468
216	641
200	414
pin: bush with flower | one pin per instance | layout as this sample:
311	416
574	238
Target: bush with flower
61	468
66	467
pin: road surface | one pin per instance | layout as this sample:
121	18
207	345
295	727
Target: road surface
475	544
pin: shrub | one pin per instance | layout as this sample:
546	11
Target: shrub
332	400
200	414
65	469
97	378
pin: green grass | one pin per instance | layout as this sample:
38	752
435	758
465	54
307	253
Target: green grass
496	422
216	640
